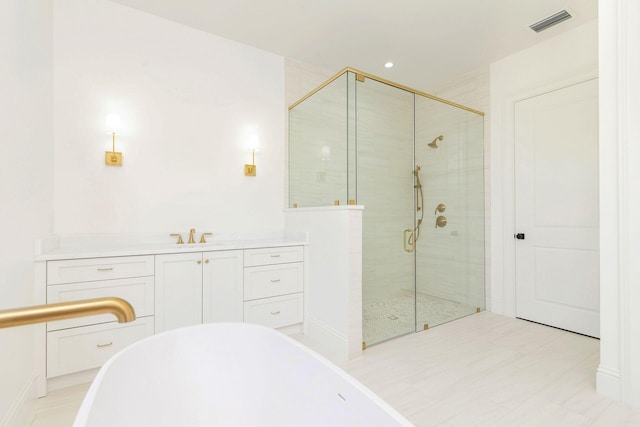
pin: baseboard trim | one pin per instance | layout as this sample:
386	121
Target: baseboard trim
327	341
608	383
22	407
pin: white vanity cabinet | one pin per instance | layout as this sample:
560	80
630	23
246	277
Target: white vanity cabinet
167	289
197	287
83	343
273	286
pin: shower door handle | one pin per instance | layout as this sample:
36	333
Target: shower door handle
410	241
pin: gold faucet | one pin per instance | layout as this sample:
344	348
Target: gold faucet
180	241
202	238
192	232
67	310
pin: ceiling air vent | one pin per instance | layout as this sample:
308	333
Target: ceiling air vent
550	21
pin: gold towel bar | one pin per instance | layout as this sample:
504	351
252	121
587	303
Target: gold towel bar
66	310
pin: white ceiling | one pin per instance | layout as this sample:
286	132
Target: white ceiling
430	41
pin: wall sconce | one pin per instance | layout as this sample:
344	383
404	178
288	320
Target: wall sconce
113	158
250	170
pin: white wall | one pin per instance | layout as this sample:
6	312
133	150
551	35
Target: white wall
188	101
26	183
568	58
333	284
619	370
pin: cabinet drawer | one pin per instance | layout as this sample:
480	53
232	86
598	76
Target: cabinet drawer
275	312
77	349
87	270
138	291
266	256
272	280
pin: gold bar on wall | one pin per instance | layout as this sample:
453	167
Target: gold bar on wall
66	310
387	82
352	201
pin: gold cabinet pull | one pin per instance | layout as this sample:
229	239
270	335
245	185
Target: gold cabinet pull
105	269
275	280
199	261
275	313
104	345
275	256
206	261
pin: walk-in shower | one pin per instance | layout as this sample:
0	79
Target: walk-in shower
419	269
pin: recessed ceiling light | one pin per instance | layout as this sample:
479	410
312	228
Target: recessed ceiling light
388	65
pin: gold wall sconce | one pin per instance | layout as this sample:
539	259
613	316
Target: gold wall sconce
113	158
254	143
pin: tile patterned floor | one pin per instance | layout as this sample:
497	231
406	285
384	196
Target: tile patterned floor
483	370
491	371
394	316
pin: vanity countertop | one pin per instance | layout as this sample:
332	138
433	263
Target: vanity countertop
98	246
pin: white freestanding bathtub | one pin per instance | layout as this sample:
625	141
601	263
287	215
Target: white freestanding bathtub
228	374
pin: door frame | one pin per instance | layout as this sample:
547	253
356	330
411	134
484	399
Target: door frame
501	297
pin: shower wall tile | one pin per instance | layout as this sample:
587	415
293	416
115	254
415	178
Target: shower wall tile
301	78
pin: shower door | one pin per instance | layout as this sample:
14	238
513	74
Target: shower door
384	127
450	251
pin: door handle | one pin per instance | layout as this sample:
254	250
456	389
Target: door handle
519	236
412	246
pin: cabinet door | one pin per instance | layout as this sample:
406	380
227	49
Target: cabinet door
178	290
222	286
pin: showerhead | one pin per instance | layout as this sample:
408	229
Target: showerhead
434	143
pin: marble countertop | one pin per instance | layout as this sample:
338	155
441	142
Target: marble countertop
113	245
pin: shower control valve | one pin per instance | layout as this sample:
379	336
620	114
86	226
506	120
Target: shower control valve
440	208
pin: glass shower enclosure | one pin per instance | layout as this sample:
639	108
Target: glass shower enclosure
415	162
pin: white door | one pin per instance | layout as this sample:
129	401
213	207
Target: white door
556	184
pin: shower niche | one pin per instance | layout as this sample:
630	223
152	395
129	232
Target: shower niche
415	162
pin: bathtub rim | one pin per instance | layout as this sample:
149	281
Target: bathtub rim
83	413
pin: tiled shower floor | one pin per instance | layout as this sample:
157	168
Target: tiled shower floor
394	316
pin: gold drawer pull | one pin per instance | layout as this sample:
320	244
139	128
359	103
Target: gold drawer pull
275	256
275	280
105	345
275	313
105	269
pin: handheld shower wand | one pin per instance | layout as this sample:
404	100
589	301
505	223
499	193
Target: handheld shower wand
415	233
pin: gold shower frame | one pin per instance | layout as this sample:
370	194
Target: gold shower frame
361	75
